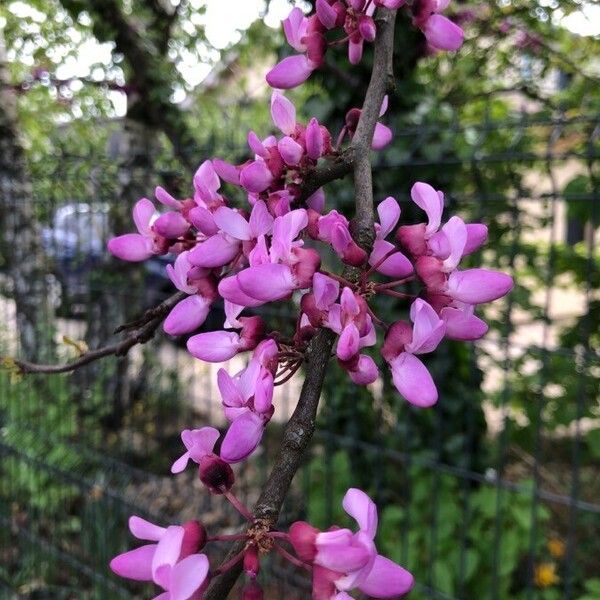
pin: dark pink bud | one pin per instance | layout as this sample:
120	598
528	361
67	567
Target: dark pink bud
303	538
313	223
252	591
412	238
309	308
314	139
354	255
341	11
216	474
352	118
207	288
397	336
251	561
309	261
429	269
194	538
253	329
367	28
316	46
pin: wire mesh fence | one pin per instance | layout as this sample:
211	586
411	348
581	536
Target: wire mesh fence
492	494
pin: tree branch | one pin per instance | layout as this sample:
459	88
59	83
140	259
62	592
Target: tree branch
144	331
300	428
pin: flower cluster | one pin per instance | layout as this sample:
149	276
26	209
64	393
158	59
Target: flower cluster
273	249
339	560
310	36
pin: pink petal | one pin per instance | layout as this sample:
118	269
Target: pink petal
367	28
135	564
165	198
290	150
462	325
428	328
203	220
261	220
442	33
233	223
382	136
456	232
263	394
413	380
348	342
144	530
256	145
396	265
132	247
206	181
216	251
290	72
143	211
171	225
389	214
386	579
283	113
335	551
475	286
326	14
285	230
242	437
477	234
203	441
167	552
362	509
294	27
187	315
226	171
181	463
316	201
187	576
426	198
355	50
314	139
365	372
229	389
256	177
229	288
268	282
214	346
326	290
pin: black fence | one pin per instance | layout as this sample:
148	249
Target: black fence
491	494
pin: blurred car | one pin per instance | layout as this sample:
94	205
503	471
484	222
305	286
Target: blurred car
75	241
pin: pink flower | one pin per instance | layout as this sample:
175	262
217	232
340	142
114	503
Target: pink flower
247	400
334	229
441	32
136	247
219	346
343	560
403	343
188	314
171	562
304	35
382	135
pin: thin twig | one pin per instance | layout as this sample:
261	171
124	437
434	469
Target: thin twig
140	335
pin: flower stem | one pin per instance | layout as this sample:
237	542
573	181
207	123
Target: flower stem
238	505
291	558
233	537
230	563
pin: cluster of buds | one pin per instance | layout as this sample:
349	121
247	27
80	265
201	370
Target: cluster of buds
311	37
338	560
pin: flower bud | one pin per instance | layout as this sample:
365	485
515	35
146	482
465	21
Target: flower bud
171	225
429	269
251	561
412	238
309	261
397	336
303	538
216	474
252	591
194	538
